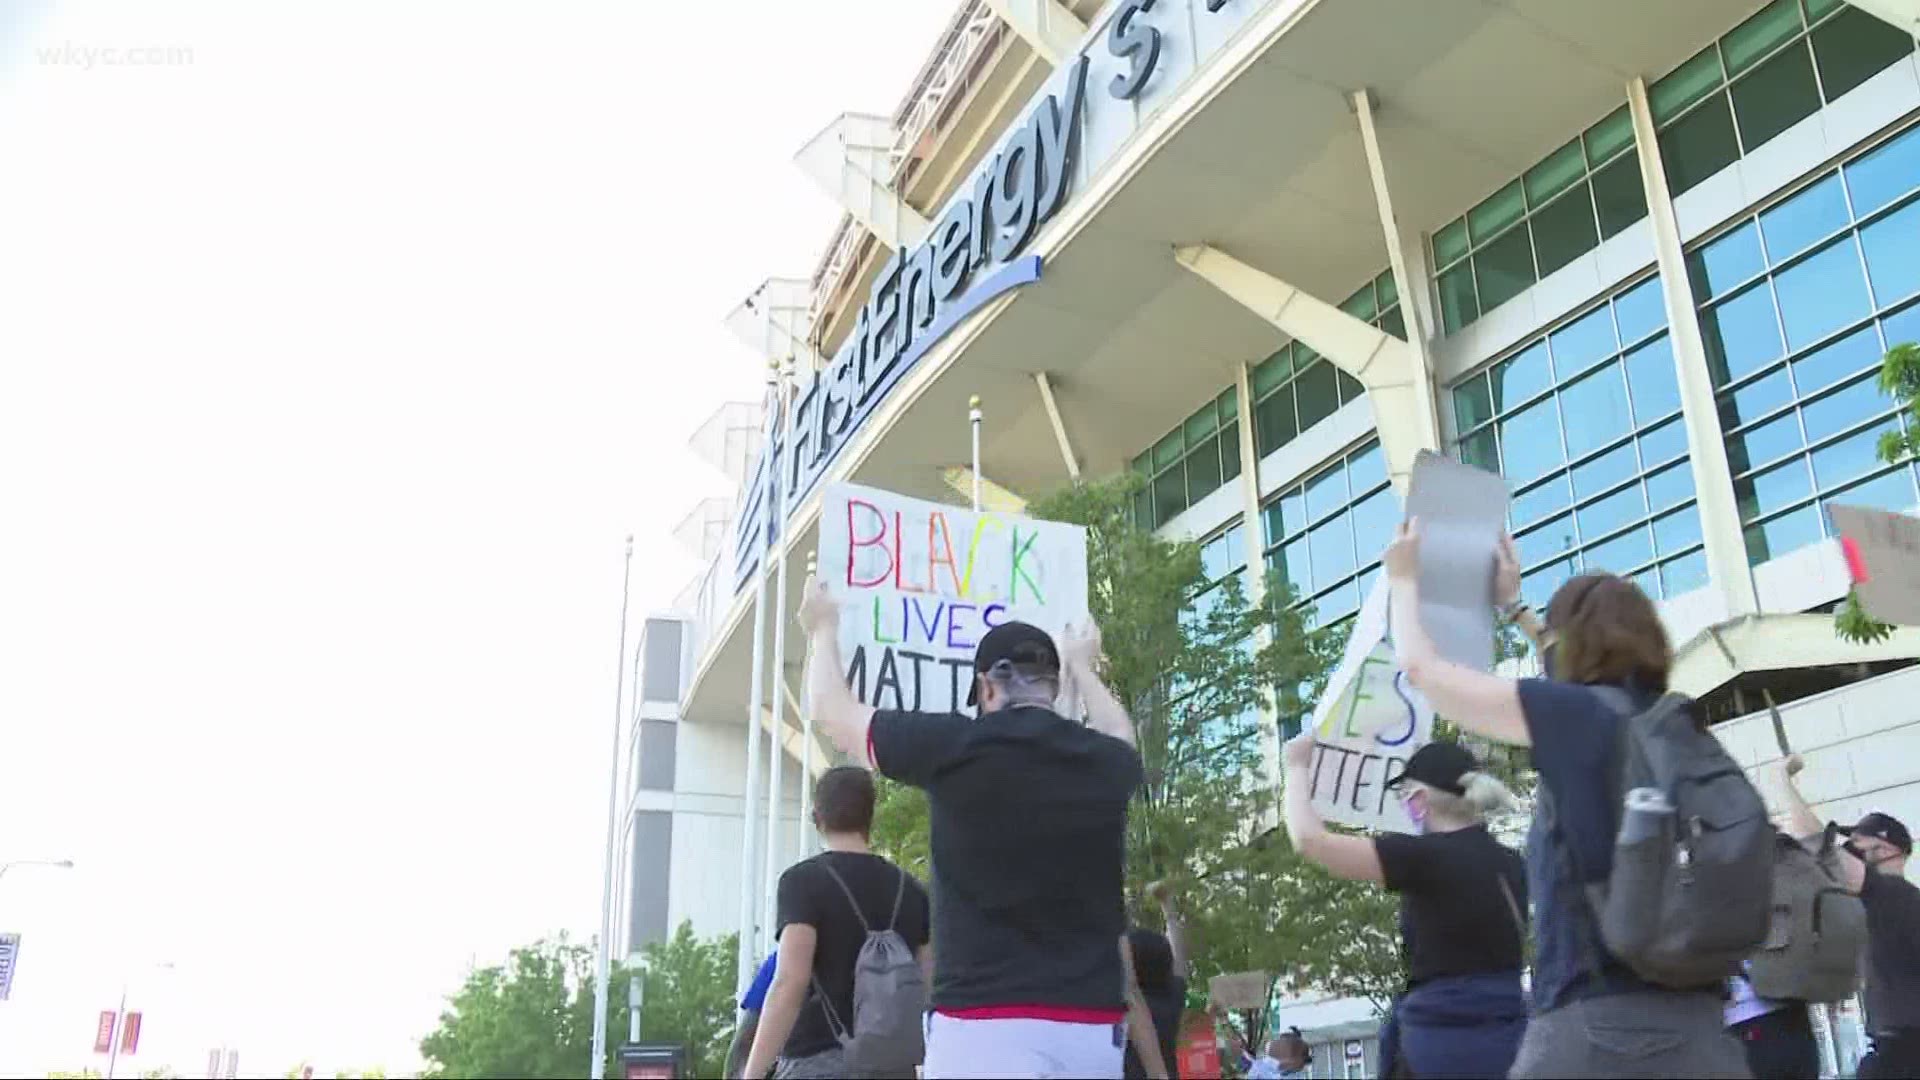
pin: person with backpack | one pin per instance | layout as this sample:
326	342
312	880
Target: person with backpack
1463	902
1873	865
1640	910
1028	817
849	986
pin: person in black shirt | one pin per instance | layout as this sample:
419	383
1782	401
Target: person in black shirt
1874	864
821	932
1028	818
1161	964
1463	899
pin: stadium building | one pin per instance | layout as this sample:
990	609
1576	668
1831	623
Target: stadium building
1643	258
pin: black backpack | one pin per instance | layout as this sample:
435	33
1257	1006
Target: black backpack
1813	945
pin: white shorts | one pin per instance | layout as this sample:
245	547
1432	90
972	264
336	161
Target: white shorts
1015	1048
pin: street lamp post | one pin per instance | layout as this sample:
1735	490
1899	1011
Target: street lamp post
120	1021
636	994
57	864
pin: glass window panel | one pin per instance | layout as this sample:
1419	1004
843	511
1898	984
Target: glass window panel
1595	409
1685	85
1169	495
1271	372
1504	268
1384	288
1844	409
1472	403
1762	445
1741	334
1319	393
1496	212
1605	471
1755	400
1886	174
1229	452
1271	523
1699	145
1521	376
1609	136
1375	518
1809	217
1362	305
1393	323
1326	492
1537	502
1670	486
1236	549
1293	510
1775	489
1577	345
1144	464
1850	458
1366	468
1274	424
1843	359
1203	469
1651	378
1902	327
1450	243
1458	304
1543	542
1366	578
1564	229
1213	558
1538	587
1677	531
1331	545
1350	388
1892	247
1167	450
1817	8
1719	266
1788	532
1893	491
1746	44
1775	96
1684	574
1640	310
1481	450
1822	293
1555	174
1336	605
1622	554
1290	561
1602	516
1531	441
1664	443
1853	48
1228	405
1619	197
1201	424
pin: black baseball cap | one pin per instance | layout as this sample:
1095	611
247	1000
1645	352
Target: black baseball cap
1882	827
1438	765
1022	646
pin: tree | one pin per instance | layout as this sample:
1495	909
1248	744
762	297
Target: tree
533	1016
1899	379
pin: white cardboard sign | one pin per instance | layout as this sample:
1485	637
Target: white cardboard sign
1882	549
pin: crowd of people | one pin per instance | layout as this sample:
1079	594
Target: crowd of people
1022	962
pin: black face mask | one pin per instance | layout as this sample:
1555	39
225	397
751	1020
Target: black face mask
1853	849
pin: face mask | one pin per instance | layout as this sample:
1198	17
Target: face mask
1417	813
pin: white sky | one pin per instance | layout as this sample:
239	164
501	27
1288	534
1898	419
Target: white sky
335	361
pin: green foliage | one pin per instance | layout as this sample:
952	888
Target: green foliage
1899	379
900	826
1852	622
533	1017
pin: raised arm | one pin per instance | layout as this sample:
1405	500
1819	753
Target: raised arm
1350	857
1476	701
1161	893
835	710
1080	653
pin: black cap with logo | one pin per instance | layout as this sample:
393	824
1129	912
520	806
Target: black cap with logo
1882	827
1438	765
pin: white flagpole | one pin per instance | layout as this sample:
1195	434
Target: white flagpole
598	1067
973	415
777	755
805	830
749	942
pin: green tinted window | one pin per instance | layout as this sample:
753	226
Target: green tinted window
1750	42
1775	96
1496	213
1557	173
1609	136
1685	85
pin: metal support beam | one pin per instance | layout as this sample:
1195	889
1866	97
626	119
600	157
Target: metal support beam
774	321
1903	15
851	160
1712	474
1419	333
1382	363
1047	25
1045	384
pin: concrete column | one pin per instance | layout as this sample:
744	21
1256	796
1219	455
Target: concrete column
1067	455
1411	290
1047	26
1712	475
1255	536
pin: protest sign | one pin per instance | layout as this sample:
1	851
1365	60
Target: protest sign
1462	513
1240	990
1366	725
920	583
1883	558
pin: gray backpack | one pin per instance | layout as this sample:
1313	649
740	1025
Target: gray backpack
889	997
1812	950
1691	892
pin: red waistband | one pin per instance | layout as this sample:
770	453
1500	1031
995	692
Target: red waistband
1060	1014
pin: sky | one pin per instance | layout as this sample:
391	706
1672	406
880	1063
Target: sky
340	346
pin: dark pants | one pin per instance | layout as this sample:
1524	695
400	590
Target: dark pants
1895	1055
1780	1044
1458	1026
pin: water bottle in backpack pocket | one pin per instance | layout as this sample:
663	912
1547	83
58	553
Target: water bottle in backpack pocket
1818	929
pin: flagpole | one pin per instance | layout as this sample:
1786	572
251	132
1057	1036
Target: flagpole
749	942
776	754
598	1067
806	734
973	416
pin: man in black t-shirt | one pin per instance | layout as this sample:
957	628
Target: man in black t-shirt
827	905
1028	814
